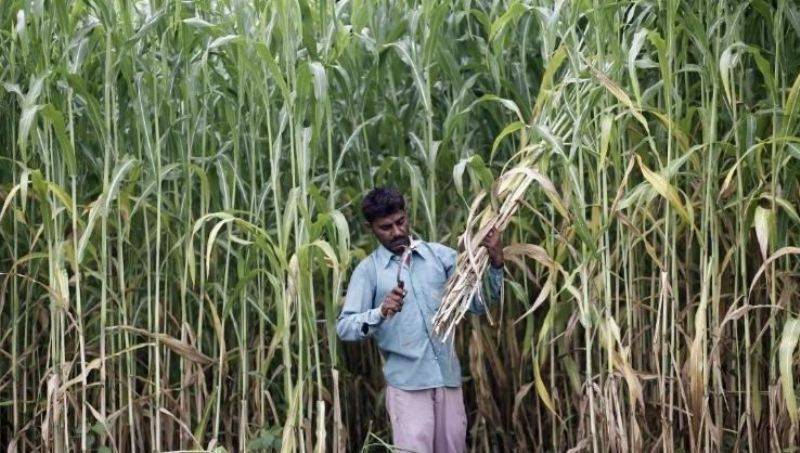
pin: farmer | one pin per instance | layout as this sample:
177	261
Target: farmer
423	393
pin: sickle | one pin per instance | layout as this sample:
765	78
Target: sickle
405	259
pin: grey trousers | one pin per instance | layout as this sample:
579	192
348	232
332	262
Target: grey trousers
427	421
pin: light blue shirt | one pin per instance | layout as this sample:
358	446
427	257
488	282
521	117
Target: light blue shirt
415	358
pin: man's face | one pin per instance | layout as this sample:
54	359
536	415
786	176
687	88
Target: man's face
392	231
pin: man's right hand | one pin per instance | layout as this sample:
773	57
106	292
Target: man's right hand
393	302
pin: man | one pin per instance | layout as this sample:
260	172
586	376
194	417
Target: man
423	394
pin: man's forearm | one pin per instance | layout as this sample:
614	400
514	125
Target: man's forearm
494	275
358	326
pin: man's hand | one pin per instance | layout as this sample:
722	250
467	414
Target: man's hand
393	302
494	247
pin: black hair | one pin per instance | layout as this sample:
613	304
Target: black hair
380	202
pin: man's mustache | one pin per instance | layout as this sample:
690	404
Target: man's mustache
401	241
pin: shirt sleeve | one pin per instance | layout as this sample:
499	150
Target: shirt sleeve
494	280
493	277
358	320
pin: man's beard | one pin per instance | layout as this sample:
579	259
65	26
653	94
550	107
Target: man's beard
400	242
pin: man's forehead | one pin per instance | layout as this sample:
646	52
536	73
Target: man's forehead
391	218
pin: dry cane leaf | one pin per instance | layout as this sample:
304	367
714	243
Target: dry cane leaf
179	347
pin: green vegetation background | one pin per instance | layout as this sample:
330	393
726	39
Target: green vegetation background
180	183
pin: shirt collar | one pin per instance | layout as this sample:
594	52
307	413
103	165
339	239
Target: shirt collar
385	256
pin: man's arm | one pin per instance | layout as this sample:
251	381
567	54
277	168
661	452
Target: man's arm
358	320
494	277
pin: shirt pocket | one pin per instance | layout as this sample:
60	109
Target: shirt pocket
432	287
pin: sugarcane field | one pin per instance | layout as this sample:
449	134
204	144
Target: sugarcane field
416	226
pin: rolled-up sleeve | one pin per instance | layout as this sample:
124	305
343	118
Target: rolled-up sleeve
358	319
493	278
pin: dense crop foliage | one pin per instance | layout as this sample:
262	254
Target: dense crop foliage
179	184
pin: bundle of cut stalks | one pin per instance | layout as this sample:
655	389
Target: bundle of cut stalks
473	260
554	126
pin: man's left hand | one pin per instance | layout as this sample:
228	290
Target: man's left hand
493	245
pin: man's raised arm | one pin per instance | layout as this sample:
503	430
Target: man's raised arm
493	277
